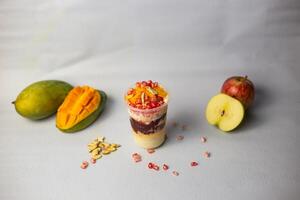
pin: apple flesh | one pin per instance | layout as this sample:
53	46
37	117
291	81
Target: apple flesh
224	112
240	88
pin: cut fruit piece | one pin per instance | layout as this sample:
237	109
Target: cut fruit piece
225	112
82	107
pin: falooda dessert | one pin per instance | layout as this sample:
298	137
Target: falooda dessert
147	106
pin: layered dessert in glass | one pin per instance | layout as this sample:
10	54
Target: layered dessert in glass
147	105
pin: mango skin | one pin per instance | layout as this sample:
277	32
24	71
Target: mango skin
91	118
41	99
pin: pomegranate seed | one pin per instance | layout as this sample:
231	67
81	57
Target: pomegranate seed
150	151
134	154
93	160
155	84
83	166
136	157
156	168
175	173
149	82
179	137
206	154
144	84
85	163
138	101
152	104
203	139
165	167
193	164
150	165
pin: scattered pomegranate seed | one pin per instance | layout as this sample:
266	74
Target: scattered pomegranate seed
150	151
84	165
93	160
136	157
165	167
203	139
155	167
134	154
206	154
193	164
180	137
150	165
175	173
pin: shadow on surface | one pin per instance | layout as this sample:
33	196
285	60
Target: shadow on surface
254	117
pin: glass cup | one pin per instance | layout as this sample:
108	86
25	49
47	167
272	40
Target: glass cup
149	125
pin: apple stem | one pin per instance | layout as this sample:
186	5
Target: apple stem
13	102
223	112
246	77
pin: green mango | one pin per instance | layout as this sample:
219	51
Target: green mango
90	119
41	99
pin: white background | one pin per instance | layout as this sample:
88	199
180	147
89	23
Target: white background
191	47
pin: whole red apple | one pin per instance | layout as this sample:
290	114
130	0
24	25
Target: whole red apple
240	88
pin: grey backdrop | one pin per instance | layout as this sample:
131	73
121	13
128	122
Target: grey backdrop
191	47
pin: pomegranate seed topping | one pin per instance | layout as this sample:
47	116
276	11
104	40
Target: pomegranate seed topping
165	167
193	164
150	165
180	137
206	154
175	173
138	101
150	151
144	84
155	167
203	139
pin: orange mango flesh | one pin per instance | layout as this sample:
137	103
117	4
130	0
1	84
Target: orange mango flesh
131	98
78	105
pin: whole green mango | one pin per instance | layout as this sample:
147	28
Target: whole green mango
41	99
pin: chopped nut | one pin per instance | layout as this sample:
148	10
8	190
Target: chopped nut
96	157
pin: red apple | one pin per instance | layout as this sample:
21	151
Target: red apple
240	88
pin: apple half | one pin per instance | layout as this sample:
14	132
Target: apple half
225	112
